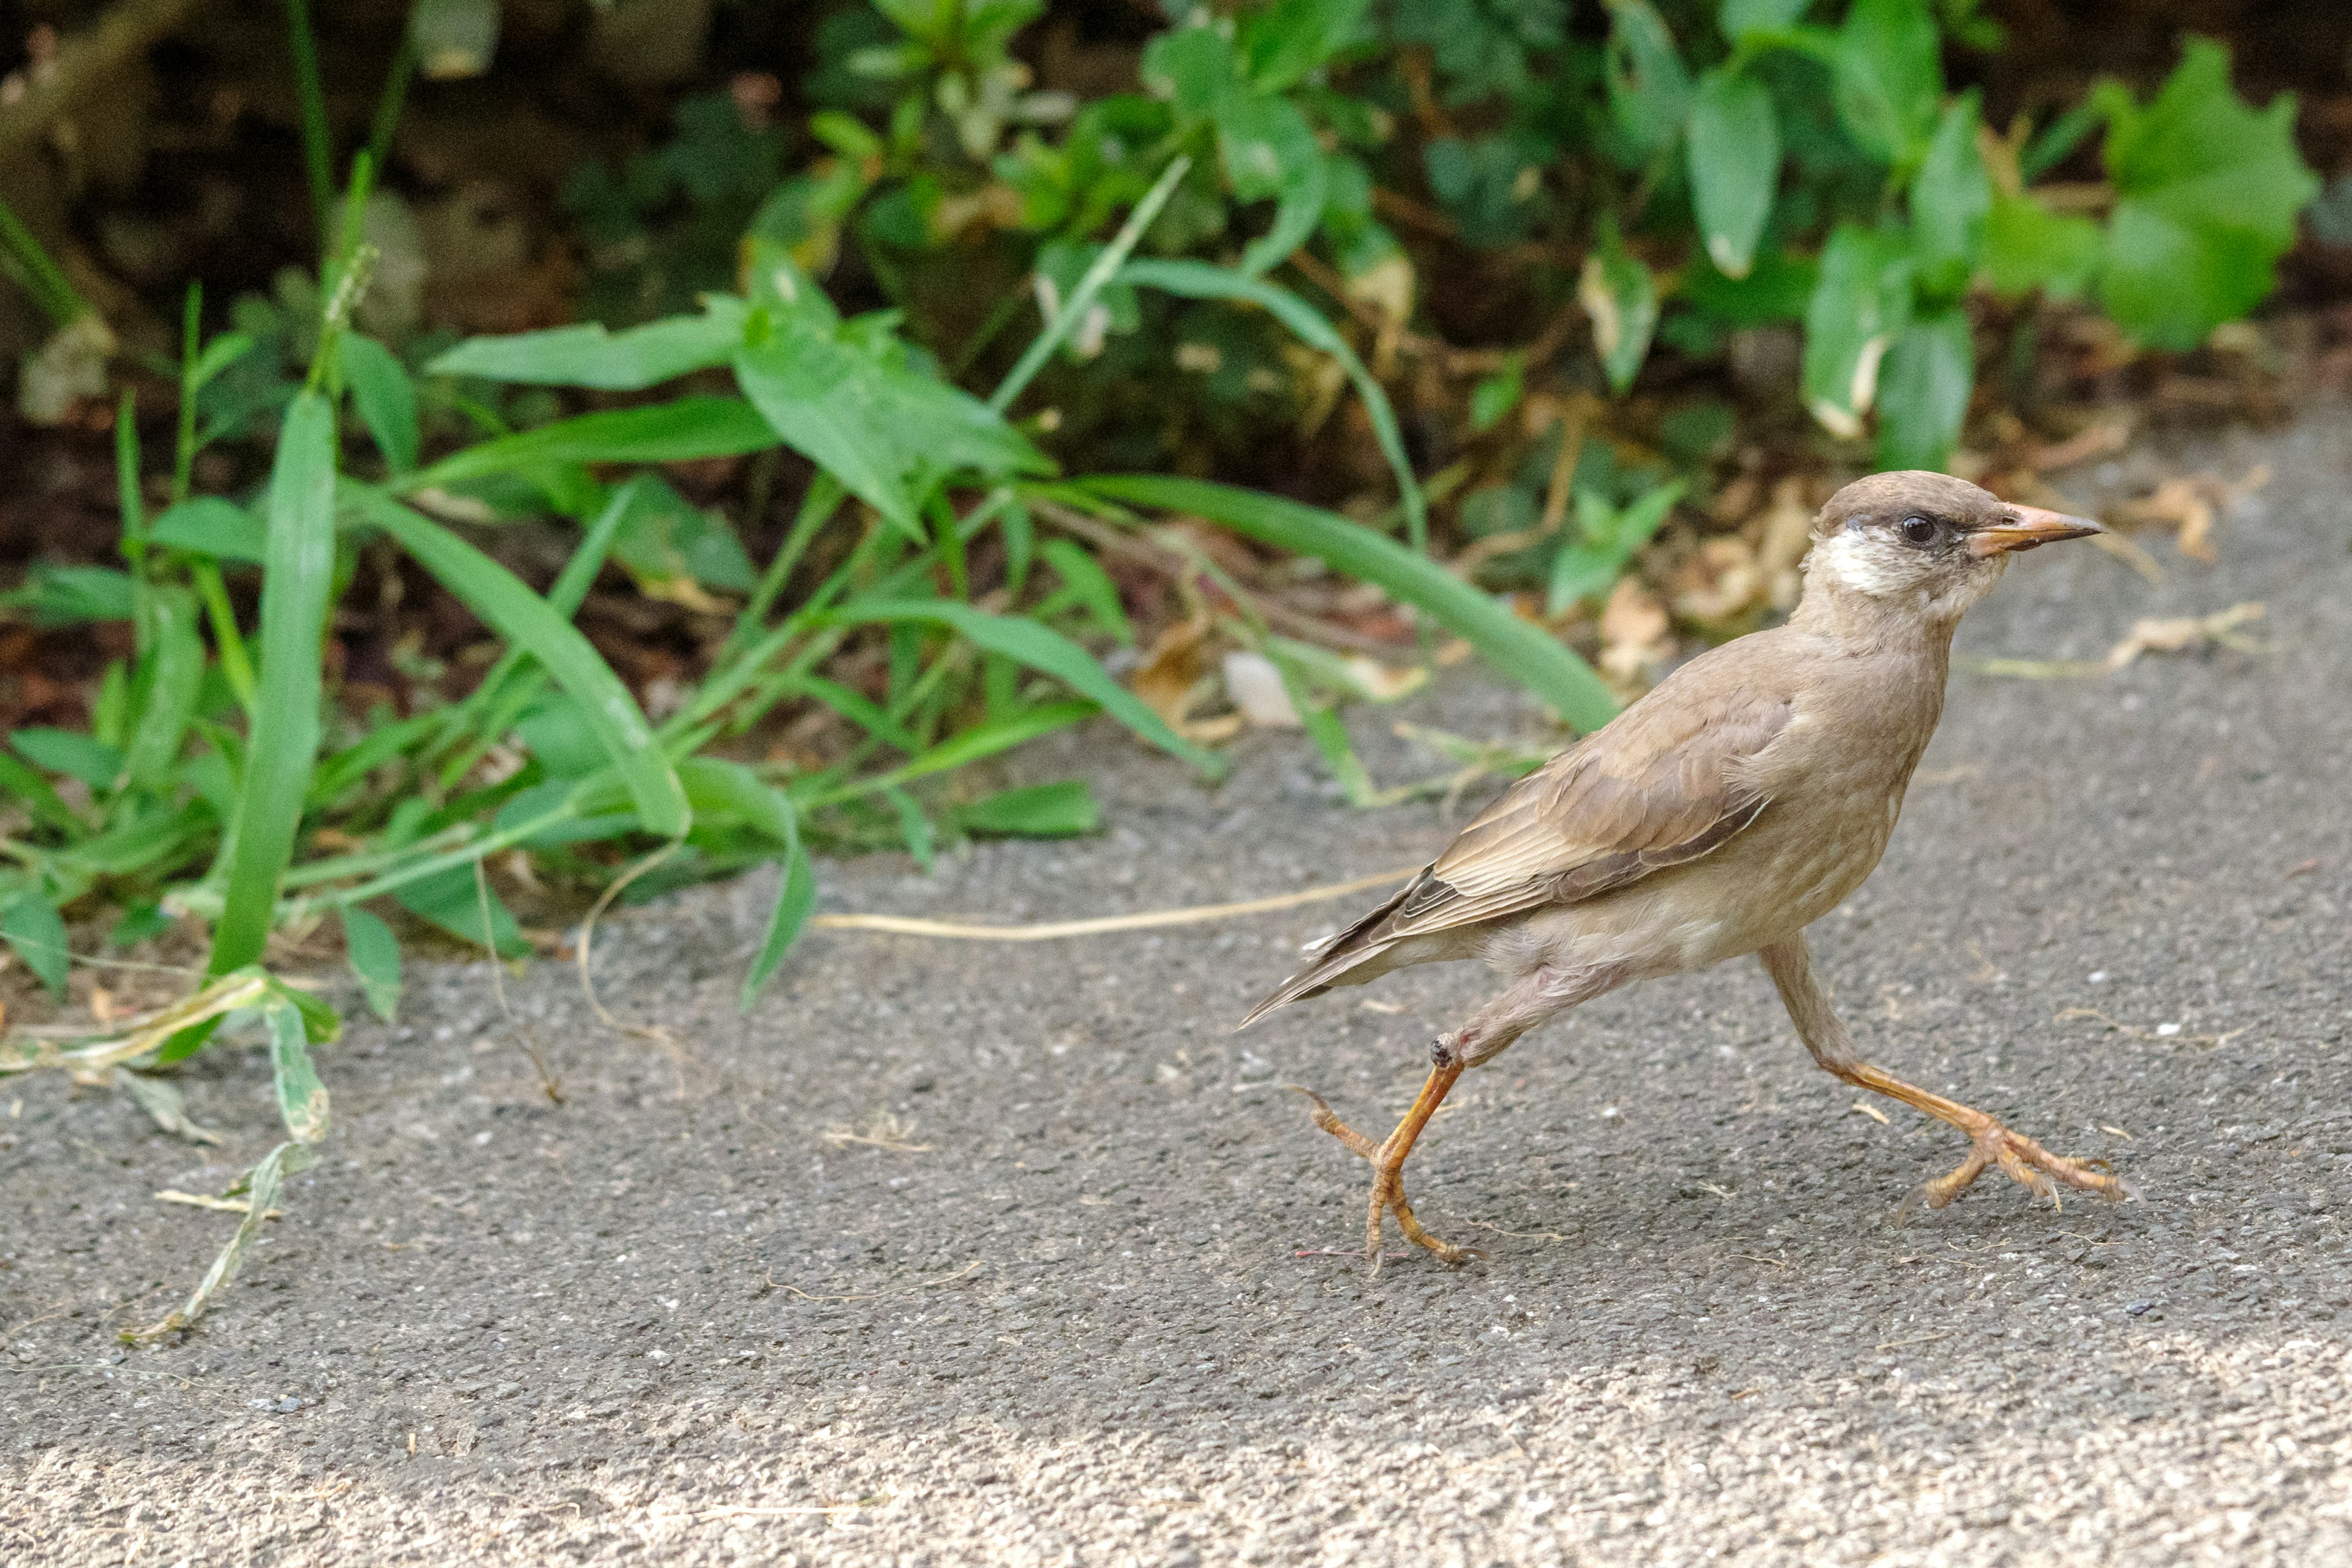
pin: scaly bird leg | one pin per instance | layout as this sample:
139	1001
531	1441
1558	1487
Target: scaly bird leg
1388	1159
2020	1158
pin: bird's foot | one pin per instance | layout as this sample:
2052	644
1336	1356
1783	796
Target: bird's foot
1387	1159
2025	1162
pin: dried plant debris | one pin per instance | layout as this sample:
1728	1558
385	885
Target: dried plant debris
2181	634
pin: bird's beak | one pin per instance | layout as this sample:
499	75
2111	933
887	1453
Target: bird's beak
2026	527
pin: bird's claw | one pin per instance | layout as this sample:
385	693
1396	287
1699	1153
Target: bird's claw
2025	1162
1387	1159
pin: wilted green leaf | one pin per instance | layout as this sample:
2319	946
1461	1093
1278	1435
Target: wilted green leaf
301	1098
1735	166
374	955
1923	396
1862	300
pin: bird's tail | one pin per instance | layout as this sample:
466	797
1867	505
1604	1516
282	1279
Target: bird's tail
1357	944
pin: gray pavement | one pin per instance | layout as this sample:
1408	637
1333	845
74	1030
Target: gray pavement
1060	1317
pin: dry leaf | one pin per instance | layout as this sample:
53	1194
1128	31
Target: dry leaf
1255	687
2188	632
1718	581
1168	680
1634	632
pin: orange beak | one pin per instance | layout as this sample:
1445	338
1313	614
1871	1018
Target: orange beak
2027	527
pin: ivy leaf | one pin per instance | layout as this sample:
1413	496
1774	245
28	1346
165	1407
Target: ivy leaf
1649	90
2207	190
1861	301
1890	77
1735	166
1923	397
1618	292
1950	198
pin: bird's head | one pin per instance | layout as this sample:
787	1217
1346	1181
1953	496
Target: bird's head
1924	544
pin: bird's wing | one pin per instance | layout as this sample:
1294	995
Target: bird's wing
1675	777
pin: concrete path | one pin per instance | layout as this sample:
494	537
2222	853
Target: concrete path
1051	1310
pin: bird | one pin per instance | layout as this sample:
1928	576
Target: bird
1743	798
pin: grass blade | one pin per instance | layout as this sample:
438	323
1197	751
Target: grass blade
375	954
296	584
673	432
1521	650
506	604
796	899
589	355
176	673
1200	280
1040	649
384	396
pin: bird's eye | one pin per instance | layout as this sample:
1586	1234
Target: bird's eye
1918	530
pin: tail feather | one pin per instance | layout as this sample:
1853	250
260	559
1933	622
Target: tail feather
1357	945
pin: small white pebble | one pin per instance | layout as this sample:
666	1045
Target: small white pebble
2098	977
2165	1031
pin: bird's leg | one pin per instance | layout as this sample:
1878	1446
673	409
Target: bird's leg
2018	1157
1532	998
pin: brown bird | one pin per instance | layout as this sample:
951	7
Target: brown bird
1738	803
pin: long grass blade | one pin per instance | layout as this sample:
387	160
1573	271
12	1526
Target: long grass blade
1518	649
674	432
295	587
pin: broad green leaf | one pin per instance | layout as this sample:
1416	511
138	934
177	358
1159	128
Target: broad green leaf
673	432
1194	69
1950	198
1491	400
374	955
1735	166
1923	396
68	596
1621	300
173	673
1890	77
1282	43
2208	191
1741	17
70	753
2027	245
663	538
1649	89
36	932
296	586
795	900
507	604
301	1098
1268	149
452	899
1860	301
1040	649
1200	280
590	355
384	397
208	525
1040	811
1518	648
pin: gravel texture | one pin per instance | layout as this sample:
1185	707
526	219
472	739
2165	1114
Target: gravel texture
1061	1318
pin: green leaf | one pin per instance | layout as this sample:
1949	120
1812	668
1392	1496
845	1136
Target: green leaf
589	355
67	751
1040	649
384	396
301	1098
38	797
1923	397
1741	17
1195	68
296	586
725	792
451	899
1890	77
1607	538
1649	90
173	673
1862	300
678	431
1950	198
1282	43
208	525
374	955
1735	166
68	596
795	900
1200	280
33	927
1040	811
506	604
874	426
1089	585
1521	650
663	538
1491	400
2027	245
2208	191
1268	149
1621	300
914	827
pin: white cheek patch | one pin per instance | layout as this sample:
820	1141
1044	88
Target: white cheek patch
1863	566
